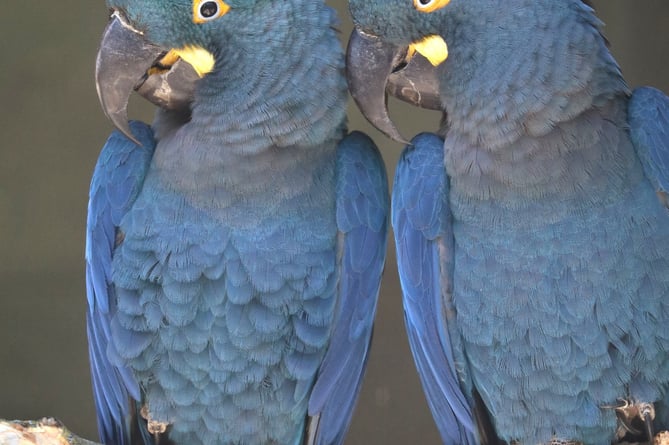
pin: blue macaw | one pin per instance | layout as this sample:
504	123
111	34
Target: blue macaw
234	247
532	230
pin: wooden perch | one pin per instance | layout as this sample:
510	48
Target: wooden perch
49	431
46	431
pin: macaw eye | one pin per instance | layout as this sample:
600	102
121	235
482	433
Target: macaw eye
205	10
429	5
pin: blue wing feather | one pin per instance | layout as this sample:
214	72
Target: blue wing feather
424	243
362	217
648	116
117	179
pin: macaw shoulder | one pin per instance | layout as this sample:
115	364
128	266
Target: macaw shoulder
362	193
648	119
116	183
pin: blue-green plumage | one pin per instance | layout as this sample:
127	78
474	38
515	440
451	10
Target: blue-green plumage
533	255
234	258
563	297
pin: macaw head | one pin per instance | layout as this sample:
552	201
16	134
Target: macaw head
380	56
461	55
162	48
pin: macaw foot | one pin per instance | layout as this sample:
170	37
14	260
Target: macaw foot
662	438
153	426
635	419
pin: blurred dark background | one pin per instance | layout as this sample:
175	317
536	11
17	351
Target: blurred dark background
51	131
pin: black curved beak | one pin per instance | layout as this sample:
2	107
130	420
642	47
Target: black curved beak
122	65
375	68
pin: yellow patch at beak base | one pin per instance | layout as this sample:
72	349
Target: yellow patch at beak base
164	64
433	48
199	58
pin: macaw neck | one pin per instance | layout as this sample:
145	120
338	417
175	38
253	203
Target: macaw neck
519	71
282	87
266	121
587	162
536	113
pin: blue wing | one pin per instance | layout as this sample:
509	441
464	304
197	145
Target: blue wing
648	116
424	242
362	219
117	179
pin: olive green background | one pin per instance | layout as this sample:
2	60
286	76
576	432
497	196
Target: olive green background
51	130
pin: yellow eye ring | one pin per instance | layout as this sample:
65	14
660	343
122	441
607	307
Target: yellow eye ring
206	10
429	5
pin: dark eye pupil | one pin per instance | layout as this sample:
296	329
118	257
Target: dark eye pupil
425	2
208	9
